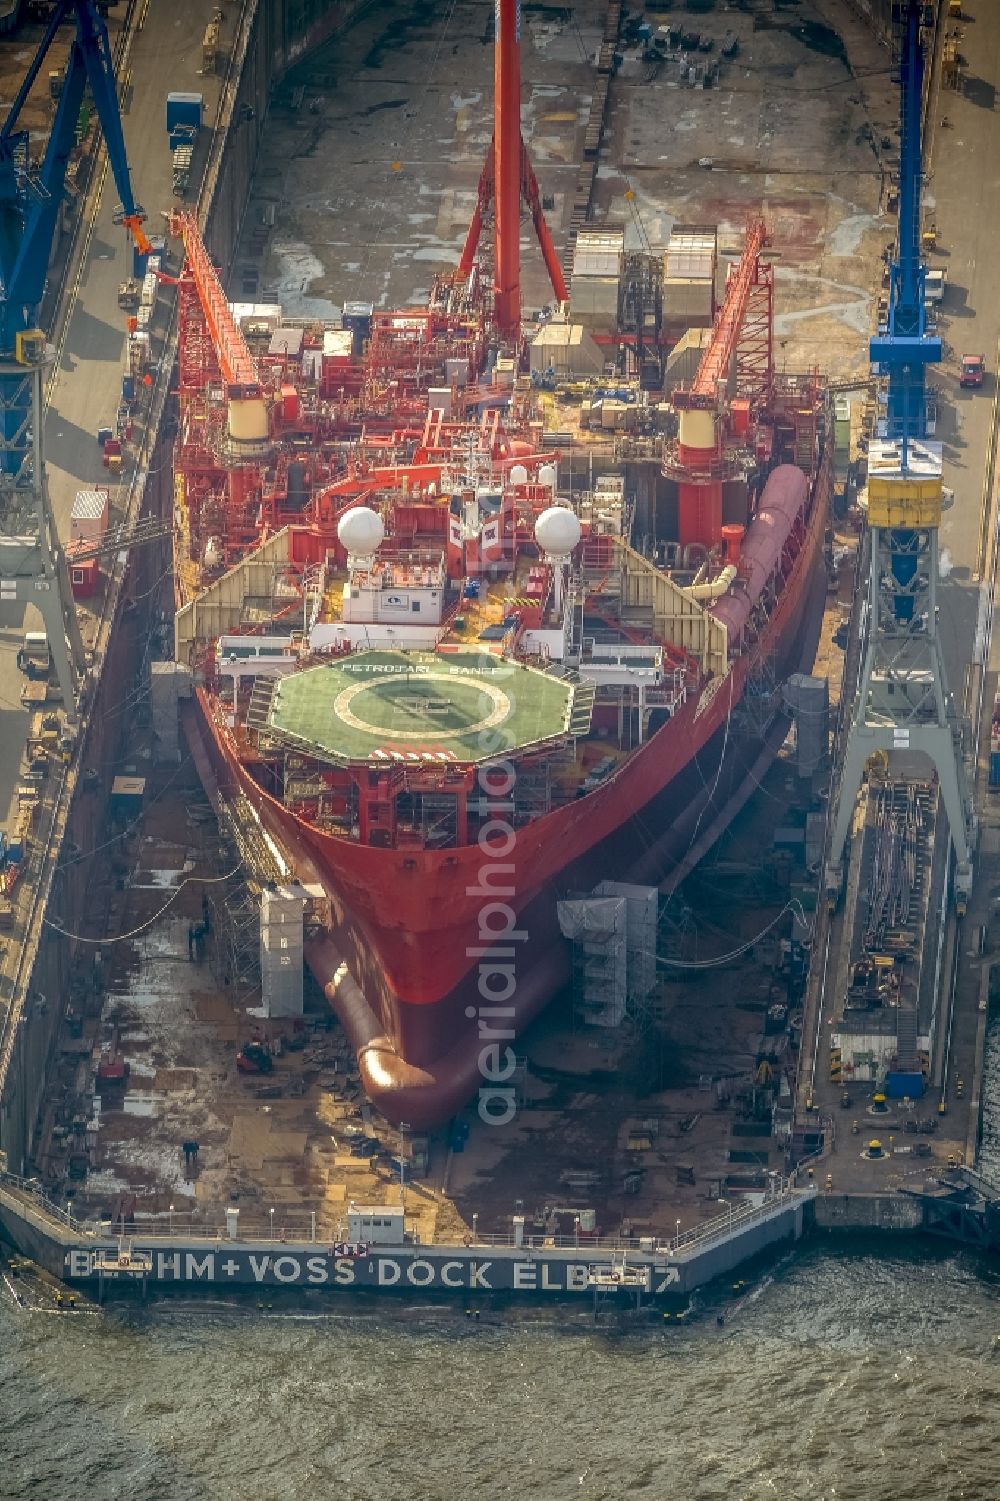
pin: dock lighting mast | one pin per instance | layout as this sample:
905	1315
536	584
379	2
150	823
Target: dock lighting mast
506	179
903	701
32	562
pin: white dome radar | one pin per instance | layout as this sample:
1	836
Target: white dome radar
518	475
547	476
557	531
361	532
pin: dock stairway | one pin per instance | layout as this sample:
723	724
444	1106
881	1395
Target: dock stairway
906	1037
259	707
582	709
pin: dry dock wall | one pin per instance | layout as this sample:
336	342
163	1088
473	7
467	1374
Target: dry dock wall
278	34
889	1211
47	981
274	35
69	1251
35	1234
875	13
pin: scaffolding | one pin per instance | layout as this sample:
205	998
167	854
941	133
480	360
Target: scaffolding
236	955
235	903
641	916
282	910
597	929
613	934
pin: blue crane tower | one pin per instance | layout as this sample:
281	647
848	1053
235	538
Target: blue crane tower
32	562
903	701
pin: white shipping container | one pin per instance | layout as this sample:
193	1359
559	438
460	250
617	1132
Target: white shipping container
688	300
594	302
691	254
265	314
598	252
338	343
934	283
142	316
685	357
89	517
148	294
566	348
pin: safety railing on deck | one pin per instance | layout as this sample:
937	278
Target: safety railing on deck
277	1228
35	1203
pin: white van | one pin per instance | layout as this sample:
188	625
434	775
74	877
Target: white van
34	657
934	286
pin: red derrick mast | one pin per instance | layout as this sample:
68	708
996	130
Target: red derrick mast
507	177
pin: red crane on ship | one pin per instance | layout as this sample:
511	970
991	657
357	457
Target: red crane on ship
222	444
740	353
230	350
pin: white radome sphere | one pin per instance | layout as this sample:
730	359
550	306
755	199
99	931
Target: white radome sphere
361	531
547	476
518	475
557	531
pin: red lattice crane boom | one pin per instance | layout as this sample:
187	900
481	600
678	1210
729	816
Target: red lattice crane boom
741	348
237	364
716	362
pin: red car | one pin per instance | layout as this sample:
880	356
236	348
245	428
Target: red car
973	370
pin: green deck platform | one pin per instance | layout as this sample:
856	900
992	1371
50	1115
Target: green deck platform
377	705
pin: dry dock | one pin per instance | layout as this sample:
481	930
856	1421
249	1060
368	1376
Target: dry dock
364	185
642	1133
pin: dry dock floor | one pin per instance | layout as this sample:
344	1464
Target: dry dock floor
645	1126
368	173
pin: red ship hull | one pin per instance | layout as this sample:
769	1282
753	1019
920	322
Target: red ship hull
413	932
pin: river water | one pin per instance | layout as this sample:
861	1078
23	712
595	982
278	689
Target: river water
847	1369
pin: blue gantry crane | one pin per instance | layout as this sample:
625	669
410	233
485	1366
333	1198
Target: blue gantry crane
906	347
903	702
32	564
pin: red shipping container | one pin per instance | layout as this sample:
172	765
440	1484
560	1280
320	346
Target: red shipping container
85	577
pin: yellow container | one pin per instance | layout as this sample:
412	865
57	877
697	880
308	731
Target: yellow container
904	495
904	503
29	346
